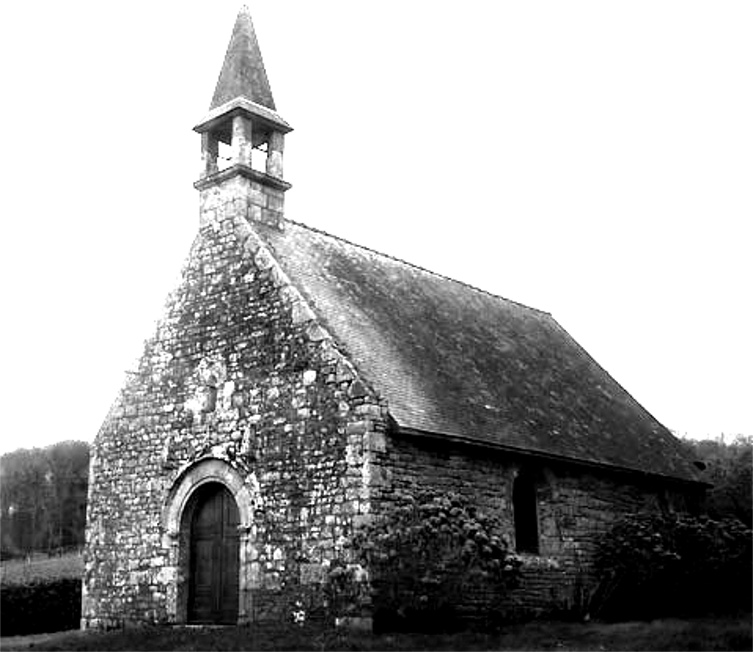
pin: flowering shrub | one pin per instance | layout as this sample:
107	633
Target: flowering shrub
298	613
653	565
346	589
427	556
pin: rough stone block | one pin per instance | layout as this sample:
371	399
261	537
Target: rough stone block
313	573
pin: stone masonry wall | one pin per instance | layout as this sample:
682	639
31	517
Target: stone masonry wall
574	505
238	373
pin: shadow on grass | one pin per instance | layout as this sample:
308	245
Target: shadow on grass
724	633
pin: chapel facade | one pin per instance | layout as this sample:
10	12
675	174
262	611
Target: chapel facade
298	383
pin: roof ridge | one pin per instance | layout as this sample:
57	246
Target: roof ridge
418	267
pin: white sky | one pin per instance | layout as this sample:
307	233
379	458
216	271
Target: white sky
592	159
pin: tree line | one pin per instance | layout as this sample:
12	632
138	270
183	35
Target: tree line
43	498
729	468
43	491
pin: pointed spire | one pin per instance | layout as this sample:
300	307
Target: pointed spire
243	73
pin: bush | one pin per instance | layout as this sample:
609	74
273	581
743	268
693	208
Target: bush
429	559
653	565
40	607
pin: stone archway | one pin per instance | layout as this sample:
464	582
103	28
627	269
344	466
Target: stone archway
177	518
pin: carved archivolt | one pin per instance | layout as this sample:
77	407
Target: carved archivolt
191	478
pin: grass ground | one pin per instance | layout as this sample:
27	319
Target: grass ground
42	569
724	633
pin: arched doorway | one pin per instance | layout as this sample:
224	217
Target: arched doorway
213	556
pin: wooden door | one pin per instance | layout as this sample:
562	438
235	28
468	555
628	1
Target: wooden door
213	584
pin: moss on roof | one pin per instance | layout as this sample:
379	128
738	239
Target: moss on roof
455	360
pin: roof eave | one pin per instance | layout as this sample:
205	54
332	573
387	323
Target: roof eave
238	106
553	457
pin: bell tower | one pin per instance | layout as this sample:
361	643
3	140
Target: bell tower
242	137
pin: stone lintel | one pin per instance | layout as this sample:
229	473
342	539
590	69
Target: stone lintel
241	106
245	171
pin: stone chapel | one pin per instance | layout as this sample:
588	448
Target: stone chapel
297	381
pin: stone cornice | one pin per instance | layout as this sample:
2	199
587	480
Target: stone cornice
241	105
244	171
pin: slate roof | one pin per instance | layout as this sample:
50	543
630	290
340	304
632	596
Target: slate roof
243	74
454	360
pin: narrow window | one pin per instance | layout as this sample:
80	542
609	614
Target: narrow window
524	507
665	507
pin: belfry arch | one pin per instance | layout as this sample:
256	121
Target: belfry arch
193	487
